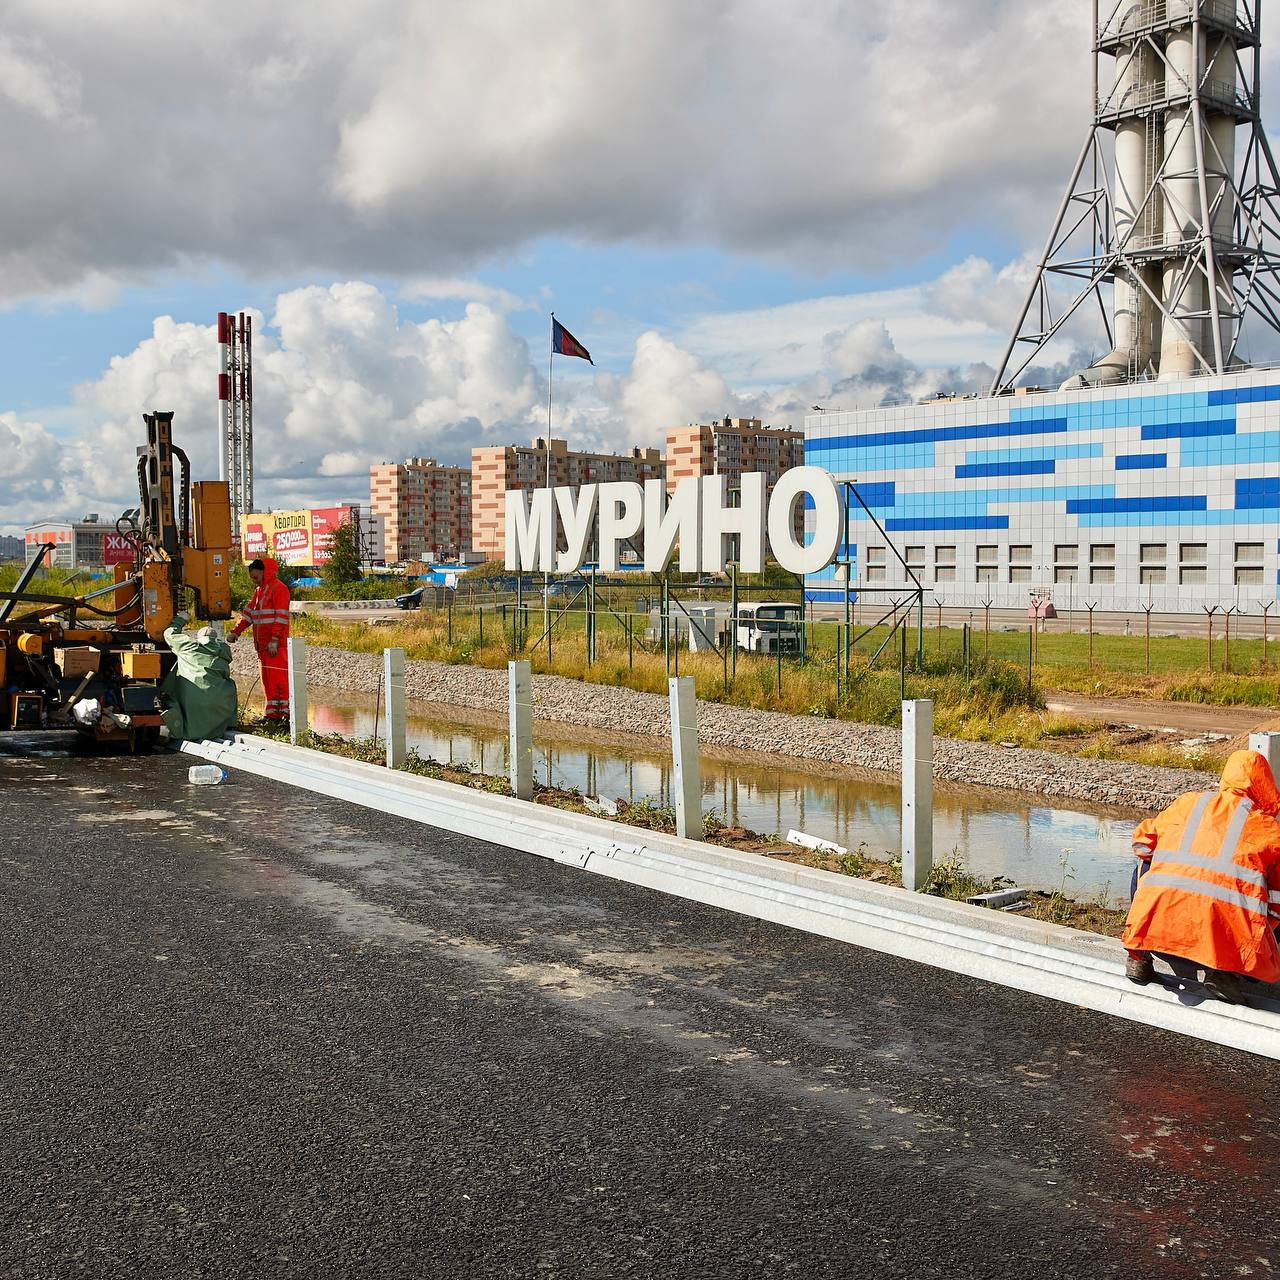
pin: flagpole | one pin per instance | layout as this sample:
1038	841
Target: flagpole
546	576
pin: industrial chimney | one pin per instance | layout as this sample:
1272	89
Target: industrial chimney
1178	233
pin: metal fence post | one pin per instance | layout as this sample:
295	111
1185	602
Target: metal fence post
520	719
917	793
1268	745
296	661
393	683
687	782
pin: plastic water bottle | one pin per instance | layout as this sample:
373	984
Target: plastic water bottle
205	775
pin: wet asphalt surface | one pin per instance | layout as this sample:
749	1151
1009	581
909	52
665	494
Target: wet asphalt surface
245	1031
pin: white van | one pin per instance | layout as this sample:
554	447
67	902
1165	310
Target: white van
770	626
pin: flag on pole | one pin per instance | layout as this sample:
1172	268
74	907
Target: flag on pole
563	343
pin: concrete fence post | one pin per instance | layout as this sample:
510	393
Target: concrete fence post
393	684
686	785
296	661
917	793
1267	744
520	719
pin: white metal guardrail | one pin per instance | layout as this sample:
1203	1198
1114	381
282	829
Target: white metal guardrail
1027	955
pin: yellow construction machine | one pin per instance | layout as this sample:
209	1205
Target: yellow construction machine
95	662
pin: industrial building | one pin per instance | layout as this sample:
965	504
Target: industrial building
1156	494
1150	478
495	469
90	543
426	508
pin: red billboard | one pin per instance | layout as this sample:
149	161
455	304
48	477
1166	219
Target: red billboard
324	523
297	538
116	549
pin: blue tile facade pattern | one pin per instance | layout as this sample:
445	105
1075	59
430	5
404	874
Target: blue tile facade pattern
1141	461
1162	494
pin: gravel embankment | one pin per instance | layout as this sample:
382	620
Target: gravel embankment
1049	773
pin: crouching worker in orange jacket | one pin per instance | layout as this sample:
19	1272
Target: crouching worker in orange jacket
268	614
1210	889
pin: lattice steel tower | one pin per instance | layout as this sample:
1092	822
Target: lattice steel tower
1179	223
235	412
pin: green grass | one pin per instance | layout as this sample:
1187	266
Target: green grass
54	582
993	704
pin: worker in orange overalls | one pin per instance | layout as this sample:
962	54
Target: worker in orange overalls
1209	883
268	614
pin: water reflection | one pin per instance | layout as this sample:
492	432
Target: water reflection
996	834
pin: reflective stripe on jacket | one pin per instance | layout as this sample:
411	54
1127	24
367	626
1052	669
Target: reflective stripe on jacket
267	611
1214	875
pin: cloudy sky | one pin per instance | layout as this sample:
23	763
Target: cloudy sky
738	206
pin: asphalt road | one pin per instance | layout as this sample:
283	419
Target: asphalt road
249	1032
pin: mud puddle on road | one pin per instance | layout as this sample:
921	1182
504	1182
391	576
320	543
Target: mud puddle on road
1083	851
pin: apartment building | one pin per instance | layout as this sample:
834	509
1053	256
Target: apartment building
732	447
497	468
426	508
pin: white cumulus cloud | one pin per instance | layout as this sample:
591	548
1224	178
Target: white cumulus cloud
397	139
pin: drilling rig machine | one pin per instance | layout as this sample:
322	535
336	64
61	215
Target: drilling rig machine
103	652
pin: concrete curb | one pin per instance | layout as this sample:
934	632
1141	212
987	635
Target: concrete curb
1028	955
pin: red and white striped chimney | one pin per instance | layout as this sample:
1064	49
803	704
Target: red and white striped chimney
224	393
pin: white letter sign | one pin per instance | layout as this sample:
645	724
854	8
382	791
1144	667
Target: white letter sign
695	515
827	516
664	520
621	515
530	530
577	517
746	520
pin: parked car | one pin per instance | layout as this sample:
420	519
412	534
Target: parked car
410	599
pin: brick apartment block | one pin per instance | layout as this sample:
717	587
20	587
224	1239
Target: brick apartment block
731	447
427	508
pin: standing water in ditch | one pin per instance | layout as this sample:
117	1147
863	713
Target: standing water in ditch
1084	850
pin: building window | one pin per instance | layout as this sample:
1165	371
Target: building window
875	564
1020	562
1102	573
1248	564
944	564
1065	573
1193	564
1152	575
1065	553
1152	553
988	558
915	560
1102	553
